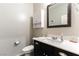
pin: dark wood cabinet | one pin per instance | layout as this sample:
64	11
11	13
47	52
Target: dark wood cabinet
42	49
38	49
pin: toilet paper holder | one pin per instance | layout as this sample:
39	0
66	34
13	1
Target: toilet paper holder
17	42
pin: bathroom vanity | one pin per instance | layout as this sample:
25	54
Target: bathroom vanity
47	47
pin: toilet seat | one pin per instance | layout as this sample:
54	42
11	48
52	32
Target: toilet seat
28	48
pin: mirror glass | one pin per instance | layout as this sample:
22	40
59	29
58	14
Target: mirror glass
58	15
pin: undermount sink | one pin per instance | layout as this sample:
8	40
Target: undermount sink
52	39
55	39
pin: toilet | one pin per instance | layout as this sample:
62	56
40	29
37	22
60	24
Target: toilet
26	51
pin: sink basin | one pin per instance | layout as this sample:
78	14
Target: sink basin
51	39
55	39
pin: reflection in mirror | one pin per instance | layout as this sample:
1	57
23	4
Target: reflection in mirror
58	15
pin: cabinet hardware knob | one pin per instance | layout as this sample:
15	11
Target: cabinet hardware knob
36	43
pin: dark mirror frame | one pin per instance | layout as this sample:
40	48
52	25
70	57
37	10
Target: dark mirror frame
68	17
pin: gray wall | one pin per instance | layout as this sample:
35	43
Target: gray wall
14	26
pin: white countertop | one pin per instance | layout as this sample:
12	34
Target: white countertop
65	45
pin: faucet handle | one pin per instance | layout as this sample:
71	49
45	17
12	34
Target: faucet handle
54	38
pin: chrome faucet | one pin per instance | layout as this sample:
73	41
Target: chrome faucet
61	38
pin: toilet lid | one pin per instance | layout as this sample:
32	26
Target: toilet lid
28	48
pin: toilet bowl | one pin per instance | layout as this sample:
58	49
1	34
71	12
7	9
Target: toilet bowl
27	50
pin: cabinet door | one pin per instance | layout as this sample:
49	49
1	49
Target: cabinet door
50	51
38	49
54	51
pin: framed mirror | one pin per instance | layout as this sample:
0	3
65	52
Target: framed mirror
59	15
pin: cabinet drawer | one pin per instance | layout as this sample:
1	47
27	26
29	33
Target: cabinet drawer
65	53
